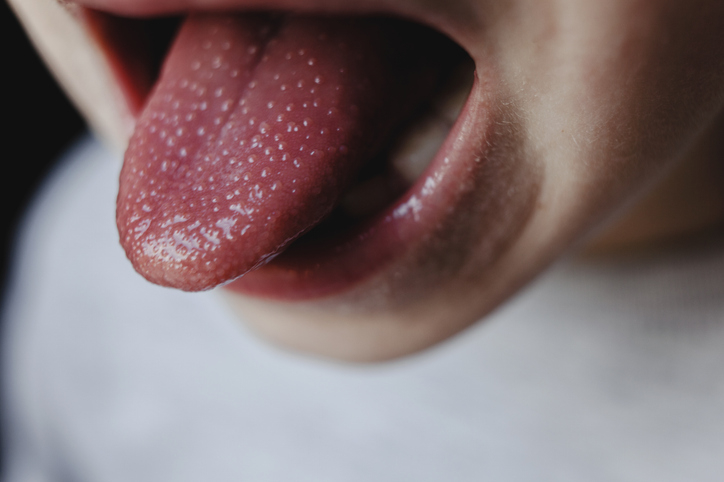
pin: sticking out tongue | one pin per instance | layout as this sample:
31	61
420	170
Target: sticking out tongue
254	130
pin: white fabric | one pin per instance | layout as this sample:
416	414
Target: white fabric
608	370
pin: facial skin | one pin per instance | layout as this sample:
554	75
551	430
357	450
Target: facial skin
579	106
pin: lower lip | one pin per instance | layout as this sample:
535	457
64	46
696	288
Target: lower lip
337	264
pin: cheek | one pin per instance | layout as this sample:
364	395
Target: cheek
649	77
613	92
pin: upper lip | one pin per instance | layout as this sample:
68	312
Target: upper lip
454	18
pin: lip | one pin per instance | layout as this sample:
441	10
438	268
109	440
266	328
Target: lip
422	239
331	265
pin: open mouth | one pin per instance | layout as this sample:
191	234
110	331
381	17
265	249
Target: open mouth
378	186
396	89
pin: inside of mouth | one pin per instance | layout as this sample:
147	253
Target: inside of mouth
404	160
137	49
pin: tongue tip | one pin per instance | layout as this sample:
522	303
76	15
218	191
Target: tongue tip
183	277
176	265
196	259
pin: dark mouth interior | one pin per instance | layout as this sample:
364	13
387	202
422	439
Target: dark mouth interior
137	49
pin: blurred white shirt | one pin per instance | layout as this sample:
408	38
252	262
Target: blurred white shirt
602	370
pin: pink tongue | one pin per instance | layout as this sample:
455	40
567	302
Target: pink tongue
254	130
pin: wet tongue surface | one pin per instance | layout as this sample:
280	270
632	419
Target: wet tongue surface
255	128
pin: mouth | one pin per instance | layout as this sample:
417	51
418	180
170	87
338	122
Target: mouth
422	157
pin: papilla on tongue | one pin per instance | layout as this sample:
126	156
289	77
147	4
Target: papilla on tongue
255	128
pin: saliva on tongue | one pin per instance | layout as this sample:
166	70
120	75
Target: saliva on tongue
256	127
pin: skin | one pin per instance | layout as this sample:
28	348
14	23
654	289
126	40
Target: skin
588	105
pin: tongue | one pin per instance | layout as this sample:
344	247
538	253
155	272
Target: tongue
254	130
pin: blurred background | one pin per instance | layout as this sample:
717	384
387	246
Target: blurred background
39	124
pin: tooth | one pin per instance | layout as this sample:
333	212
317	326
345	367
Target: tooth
423	139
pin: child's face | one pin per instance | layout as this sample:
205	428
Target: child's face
578	105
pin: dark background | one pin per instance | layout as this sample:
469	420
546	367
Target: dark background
38	124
